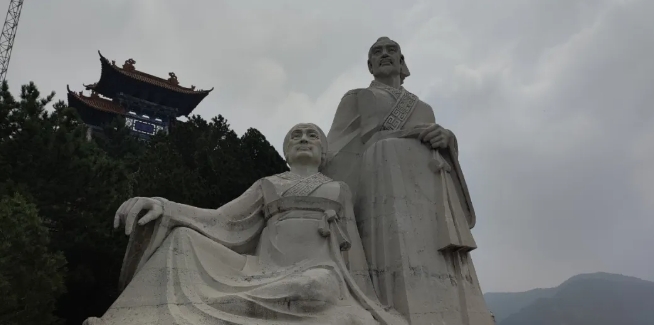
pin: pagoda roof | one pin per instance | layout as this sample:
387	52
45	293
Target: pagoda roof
128	80
94	101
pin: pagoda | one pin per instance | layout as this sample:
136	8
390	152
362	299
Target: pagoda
149	104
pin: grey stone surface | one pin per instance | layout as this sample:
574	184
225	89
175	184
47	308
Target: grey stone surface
287	251
411	202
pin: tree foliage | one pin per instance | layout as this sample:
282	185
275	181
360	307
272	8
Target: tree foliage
205	164
31	275
76	185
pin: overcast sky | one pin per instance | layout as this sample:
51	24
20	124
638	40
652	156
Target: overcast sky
551	100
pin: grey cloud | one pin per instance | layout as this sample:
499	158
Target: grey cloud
549	99
549	152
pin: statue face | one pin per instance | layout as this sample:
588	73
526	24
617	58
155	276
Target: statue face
304	145
385	58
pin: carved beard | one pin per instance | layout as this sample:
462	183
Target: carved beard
385	70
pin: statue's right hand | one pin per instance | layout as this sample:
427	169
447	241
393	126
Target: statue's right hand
130	209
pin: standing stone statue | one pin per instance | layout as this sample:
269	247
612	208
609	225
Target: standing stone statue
287	251
411	202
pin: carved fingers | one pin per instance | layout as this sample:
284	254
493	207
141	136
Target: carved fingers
155	212
119	213
439	141
430	131
128	212
435	135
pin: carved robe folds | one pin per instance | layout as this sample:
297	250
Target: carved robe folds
412	207
272	256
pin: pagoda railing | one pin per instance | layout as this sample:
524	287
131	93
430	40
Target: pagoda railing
145	126
145	118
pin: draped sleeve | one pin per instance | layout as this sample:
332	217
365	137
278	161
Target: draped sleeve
236	225
356	270
451	155
345	144
355	258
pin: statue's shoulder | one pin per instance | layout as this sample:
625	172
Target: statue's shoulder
280	177
318	178
332	185
272	180
268	178
351	97
352	92
343	188
336	190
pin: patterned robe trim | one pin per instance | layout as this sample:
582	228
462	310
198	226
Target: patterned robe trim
303	186
404	105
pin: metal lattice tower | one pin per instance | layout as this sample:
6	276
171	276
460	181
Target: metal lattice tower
8	35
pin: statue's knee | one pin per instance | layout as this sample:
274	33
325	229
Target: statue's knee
319	285
181	236
93	321
182	232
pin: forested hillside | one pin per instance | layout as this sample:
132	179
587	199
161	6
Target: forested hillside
585	299
59	255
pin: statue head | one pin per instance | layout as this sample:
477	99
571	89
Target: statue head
305	144
385	59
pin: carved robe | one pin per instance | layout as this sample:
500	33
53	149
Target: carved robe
412	207
278	254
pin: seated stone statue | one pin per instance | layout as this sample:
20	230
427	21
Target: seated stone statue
287	251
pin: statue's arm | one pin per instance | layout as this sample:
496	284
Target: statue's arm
344	141
355	258
428	124
453	144
234	224
451	155
346	122
356	271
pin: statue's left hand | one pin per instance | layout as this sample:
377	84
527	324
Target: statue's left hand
435	135
130	209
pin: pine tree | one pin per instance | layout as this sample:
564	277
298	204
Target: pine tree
77	185
31	275
260	155
205	163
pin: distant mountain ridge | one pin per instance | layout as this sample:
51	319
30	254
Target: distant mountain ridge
584	299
